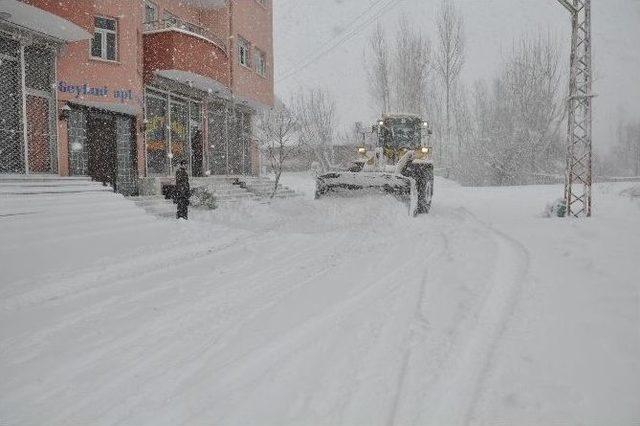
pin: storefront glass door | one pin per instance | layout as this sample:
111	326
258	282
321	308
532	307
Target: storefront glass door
172	131
195	136
217	137
156	135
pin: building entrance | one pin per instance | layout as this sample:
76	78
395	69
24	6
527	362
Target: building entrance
173	133
39	135
102	147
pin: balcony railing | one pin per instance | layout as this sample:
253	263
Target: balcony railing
185	26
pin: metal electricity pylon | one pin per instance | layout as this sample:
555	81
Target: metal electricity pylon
578	177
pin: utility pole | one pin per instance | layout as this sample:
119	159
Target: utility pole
578	176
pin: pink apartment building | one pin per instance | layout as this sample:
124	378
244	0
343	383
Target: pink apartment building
123	90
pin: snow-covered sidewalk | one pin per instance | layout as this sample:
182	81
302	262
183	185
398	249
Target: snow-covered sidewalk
322	312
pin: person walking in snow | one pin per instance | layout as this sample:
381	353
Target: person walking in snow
182	191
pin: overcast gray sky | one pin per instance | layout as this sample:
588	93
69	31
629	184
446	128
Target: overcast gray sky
305	28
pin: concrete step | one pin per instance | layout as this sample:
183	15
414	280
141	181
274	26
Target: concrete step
26	191
42	178
43	183
263	187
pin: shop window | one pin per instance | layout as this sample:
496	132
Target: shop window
104	44
39	68
179	111
156	134
243	52
261	63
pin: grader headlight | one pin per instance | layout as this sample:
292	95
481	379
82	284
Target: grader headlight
424	153
362	150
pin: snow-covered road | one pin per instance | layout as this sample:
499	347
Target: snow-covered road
330	312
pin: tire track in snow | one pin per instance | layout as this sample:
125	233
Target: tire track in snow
460	387
411	343
260	360
163	352
509	311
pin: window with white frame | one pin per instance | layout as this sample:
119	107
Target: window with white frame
150	12
104	44
261	62
244	50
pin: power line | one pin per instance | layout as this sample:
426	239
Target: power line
348	28
346	36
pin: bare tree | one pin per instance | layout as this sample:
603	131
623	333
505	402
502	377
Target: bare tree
411	63
314	110
276	135
517	119
449	59
398	76
533	81
378	69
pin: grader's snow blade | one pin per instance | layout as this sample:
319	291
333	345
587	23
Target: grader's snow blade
402	187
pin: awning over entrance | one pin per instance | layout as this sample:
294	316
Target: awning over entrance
110	107
196	81
208	85
36	20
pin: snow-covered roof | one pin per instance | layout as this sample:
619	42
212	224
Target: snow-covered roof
34	19
206	4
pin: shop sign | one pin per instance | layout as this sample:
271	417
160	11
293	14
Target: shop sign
85	89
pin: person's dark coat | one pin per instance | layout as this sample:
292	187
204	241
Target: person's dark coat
182	193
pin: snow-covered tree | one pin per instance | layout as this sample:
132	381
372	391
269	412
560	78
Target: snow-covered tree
276	133
448	62
398	70
378	69
315	115
518	137
411	65
625	158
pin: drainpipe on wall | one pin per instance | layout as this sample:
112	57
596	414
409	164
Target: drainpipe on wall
233	106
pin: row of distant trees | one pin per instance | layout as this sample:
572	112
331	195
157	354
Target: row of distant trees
508	130
505	131
624	158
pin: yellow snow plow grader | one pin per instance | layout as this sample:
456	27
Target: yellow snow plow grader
400	164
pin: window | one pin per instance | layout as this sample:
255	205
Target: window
150	12
104	44
261	63
243	52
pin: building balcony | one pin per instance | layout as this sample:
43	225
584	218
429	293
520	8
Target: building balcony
170	45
